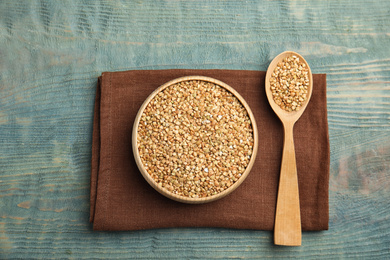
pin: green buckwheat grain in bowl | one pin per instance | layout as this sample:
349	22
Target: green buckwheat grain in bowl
195	139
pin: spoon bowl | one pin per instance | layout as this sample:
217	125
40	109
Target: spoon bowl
287	229
284	115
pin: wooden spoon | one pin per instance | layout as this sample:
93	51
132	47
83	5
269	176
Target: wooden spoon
287	230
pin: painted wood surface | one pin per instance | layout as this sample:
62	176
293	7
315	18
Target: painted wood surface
51	53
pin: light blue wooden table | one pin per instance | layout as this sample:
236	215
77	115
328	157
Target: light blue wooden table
51	53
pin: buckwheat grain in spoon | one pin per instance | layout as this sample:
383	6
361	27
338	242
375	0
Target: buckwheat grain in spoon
288	86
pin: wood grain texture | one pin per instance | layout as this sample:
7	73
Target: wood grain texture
51	53
287	229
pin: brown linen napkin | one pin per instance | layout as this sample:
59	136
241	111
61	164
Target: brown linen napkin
122	200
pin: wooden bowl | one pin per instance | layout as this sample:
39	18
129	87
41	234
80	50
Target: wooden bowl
166	192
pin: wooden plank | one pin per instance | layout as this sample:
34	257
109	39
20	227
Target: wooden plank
51	53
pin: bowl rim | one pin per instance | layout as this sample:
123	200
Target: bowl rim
162	190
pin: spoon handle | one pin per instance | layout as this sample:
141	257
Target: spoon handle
287	230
